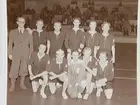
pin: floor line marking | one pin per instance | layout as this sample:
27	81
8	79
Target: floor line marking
126	69
125	78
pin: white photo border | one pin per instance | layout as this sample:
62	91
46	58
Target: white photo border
3	53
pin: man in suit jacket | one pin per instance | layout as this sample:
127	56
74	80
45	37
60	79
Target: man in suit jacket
20	48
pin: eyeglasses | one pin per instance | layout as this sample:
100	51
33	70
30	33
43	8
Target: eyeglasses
21	22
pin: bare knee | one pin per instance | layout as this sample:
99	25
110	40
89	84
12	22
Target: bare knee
45	79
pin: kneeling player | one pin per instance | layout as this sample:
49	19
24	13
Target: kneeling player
58	71
105	76
37	69
76	76
91	71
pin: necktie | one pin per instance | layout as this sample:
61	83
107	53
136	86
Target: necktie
21	32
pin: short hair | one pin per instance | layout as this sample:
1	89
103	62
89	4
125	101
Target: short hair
42	44
57	22
77	18
20	17
39	20
93	21
87	49
105	23
76	51
60	51
102	51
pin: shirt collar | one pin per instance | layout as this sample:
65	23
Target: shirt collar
21	29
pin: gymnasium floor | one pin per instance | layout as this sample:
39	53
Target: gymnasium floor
124	85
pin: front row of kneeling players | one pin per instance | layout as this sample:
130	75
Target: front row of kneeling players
78	73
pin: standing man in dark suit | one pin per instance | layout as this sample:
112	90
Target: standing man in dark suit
20	48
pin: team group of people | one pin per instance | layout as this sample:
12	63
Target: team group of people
76	60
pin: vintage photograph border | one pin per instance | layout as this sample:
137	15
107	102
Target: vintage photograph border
3	53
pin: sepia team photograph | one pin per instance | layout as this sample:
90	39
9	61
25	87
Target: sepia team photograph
69	52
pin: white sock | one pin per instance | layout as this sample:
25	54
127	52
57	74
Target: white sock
98	93
43	94
79	95
92	86
35	86
86	96
52	87
64	95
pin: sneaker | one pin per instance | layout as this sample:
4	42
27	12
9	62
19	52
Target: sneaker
64	95
85	96
79	95
43	95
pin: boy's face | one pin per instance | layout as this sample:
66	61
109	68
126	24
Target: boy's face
39	25
57	26
103	57
21	22
106	27
92	25
42	48
75	55
76	23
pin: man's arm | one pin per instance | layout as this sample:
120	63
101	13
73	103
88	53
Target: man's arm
30	70
31	44
11	41
48	42
67	43
93	71
96	48
113	51
48	46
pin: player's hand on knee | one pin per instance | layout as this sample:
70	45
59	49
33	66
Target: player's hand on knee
52	77
51	73
68	50
112	60
10	57
31	77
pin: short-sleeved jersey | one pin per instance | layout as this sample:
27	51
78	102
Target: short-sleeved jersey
107	73
56	42
38	39
58	68
105	42
91	41
38	65
74	39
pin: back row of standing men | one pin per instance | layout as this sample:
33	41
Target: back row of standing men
23	42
